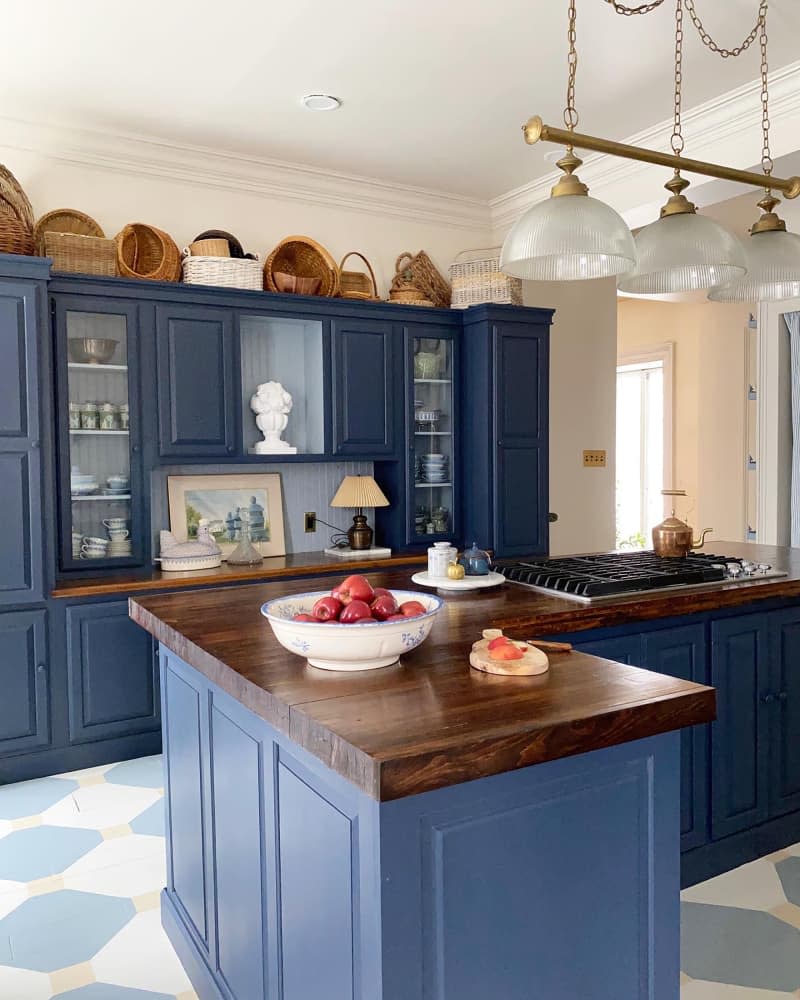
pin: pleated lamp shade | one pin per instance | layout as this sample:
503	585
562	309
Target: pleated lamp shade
359	491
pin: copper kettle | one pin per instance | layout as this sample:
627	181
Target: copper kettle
673	537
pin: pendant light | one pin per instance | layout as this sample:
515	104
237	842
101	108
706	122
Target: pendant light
682	251
570	236
773	255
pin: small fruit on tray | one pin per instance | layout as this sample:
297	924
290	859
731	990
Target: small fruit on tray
496	653
354	601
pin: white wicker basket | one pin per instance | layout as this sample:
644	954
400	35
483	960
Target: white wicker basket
227	272
476	277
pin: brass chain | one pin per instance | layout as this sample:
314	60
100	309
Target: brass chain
709	42
676	139
766	158
645	8
570	113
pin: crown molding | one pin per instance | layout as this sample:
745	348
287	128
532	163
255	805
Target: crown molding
713	131
133	155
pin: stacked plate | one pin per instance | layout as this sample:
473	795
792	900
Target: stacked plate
435	468
118	548
82	485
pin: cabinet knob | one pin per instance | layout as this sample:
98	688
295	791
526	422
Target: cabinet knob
40	668
767	698
782	695
34	444
135	448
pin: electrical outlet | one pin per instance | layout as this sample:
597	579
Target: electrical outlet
595	459
310	521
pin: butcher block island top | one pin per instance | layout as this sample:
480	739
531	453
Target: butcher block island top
429	721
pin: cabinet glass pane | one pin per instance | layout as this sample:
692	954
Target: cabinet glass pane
433	436
288	351
99	439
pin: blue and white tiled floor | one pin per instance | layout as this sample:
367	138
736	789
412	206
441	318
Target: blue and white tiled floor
82	865
81	868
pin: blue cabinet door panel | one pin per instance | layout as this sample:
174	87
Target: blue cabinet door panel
681	652
21	549
112	673
196	387
622	648
784	752
519	514
739	793
365	369
24	704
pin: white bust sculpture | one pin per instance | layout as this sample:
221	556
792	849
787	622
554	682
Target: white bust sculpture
272	405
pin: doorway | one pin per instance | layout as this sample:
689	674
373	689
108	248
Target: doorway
644	443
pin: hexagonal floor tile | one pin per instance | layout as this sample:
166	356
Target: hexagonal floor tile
11	895
750	948
39	851
100	806
29	798
789	874
754	886
105	991
59	929
699	990
19	983
120	961
144	772
151	821
124	866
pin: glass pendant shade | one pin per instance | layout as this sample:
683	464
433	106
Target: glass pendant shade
773	270
568	238
682	253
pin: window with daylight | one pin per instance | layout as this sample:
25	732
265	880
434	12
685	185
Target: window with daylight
644	444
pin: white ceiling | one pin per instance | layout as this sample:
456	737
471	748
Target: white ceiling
434	91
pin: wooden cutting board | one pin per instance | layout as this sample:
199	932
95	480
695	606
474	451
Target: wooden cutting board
533	660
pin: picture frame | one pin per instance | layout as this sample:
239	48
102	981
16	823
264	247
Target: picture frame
220	498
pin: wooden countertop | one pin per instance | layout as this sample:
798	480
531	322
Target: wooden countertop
431	721
152	580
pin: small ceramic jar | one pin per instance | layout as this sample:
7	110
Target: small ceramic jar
109	417
90	416
440	555
75	416
124	416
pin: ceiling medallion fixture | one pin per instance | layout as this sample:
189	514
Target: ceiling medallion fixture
682	250
321	102
570	236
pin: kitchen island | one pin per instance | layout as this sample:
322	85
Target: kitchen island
420	831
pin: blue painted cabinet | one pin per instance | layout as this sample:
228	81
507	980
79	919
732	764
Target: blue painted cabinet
784	733
112	674
505	355
739	737
24	681
21	549
622	648
366	386
198	393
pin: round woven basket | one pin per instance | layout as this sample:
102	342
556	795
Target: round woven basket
235	248
146	252
65	220
15	237
304	258
14	200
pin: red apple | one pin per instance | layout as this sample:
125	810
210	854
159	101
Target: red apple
395	618
382	592
384	606
304	618
354	588
506	651
412	609
354	611
327	608
501	640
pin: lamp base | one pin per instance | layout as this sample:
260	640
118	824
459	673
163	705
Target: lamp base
348	553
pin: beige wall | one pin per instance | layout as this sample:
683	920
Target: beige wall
708	402
582	410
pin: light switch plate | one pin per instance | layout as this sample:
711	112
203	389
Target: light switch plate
595	459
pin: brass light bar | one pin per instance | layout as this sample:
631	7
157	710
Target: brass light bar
535	130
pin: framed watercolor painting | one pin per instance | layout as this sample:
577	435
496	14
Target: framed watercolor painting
225	501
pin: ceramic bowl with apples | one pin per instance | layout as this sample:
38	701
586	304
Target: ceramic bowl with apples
354	626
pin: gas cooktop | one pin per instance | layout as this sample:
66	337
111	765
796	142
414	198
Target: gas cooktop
617	574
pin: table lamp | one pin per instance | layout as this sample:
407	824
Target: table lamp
359	492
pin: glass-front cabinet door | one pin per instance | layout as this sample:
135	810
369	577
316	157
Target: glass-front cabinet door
97	417
433	449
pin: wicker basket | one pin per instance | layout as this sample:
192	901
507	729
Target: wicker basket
234	247
13	200
305	258
15	237
356	284
422	274
146	252
65	220
476	277
227	272
403	290
210	248
81	254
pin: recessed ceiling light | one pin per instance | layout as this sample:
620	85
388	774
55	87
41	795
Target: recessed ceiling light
321	102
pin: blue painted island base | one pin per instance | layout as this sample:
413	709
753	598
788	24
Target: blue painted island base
284	880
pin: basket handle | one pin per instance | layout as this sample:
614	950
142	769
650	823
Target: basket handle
355	253
400	259
476	250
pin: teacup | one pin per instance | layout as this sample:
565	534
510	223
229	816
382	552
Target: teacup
92	552
96	542
118	534
115	522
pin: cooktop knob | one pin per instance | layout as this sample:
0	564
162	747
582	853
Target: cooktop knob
734	569
764	567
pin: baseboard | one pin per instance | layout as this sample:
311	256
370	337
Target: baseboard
194	964
57	760
722	855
